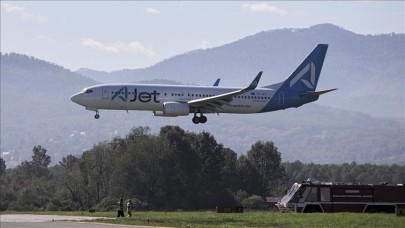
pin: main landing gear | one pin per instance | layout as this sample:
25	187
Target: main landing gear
200	119
97	115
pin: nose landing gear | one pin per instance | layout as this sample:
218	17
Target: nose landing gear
200	119
95	110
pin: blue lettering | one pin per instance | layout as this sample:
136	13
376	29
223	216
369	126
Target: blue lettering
143	97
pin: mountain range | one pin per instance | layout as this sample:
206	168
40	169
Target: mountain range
363	121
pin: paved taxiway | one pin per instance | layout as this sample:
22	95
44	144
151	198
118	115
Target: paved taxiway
50	221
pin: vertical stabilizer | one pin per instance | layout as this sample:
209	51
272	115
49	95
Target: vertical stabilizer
299	88
305	77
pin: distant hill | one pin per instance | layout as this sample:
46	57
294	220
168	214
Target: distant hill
36	107
368	69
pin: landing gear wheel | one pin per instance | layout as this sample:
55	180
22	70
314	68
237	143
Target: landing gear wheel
196	120
203	119
97	116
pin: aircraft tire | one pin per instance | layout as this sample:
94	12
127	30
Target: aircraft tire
203	119
196	120
97	116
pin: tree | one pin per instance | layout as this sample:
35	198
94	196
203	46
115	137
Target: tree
40	161
211	183
211	159
249	177
229	169
180	162
69	162
67	174
138	133
30	182
3	167
266	158
5	195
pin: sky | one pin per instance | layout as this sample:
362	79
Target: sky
115	35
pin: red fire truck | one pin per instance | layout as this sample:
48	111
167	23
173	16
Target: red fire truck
337	197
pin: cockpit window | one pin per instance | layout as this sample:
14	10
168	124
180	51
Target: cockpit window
89	91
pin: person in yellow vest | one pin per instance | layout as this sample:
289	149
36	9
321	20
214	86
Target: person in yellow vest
129	208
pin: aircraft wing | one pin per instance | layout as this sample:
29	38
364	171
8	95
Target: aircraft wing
216	102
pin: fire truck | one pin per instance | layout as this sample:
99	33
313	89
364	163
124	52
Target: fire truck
339	197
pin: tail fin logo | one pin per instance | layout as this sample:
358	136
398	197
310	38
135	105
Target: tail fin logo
311	83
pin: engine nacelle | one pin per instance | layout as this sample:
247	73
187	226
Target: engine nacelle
172	108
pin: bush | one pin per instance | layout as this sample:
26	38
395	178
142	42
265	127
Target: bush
240	196
254	202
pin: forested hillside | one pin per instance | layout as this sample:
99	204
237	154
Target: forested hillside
368	69
171	170
36	107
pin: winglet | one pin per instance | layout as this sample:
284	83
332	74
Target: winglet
216	82
255	82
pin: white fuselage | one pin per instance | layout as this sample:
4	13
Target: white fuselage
151	97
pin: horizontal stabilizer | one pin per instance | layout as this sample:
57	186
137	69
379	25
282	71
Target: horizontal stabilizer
316	93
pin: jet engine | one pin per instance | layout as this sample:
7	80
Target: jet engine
173	109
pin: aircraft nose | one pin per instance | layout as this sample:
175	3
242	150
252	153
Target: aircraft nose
77	98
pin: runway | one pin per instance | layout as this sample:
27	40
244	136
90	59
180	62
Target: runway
50	221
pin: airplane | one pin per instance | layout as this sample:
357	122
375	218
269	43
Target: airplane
181	100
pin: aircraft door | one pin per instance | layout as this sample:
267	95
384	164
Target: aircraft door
105	93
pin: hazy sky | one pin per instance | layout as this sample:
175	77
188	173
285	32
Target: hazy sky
115	35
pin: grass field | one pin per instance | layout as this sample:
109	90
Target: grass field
247	219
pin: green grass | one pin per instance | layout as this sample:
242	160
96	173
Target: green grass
247	219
